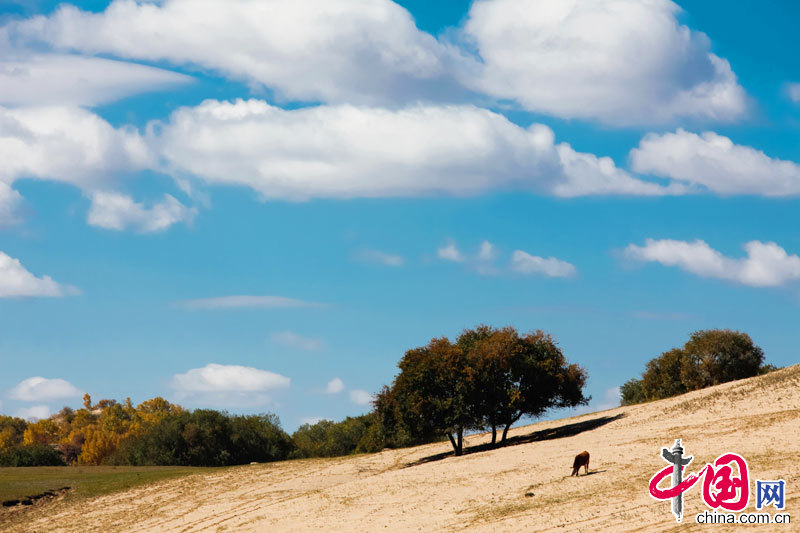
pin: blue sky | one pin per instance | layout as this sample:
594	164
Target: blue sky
259	206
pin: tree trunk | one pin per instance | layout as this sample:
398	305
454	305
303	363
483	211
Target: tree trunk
494	434
508	425
460	448
453	442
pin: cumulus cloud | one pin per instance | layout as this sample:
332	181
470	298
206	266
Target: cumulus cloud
52	79
349	152
294	340
235	385
319	152
623	62
17	282
450	252
36	412
117	211
245	301
766	264
715	163
360	397
334	386
68	145
383	258
525	263
39	389
365	51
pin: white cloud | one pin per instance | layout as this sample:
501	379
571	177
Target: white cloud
354	152
318	152
10	204
450	252
17	282
366	51
117	211
766	264
793	90
39	389
715	162
360	397
236	385
246	301
611	399
51	79
36	412
334	386
383	258
486	252
525	263
68	145
290	338
622	62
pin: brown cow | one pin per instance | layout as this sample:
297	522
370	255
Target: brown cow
582	459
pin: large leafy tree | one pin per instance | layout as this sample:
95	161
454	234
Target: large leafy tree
717	356
488	378
517	375
433	391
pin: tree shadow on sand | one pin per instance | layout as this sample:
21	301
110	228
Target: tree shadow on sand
559	432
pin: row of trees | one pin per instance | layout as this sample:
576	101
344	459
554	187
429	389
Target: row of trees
156	432
708	358
487	379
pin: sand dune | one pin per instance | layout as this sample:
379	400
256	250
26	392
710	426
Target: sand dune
426	489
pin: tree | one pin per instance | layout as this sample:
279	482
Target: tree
487	378
432	392
519	375
662	377
12	430
720	355
708	358
631	392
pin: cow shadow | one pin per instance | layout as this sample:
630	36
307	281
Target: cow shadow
560	432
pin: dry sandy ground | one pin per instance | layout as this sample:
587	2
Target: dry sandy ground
413	490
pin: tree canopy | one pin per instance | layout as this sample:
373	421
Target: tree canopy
487	378
708	358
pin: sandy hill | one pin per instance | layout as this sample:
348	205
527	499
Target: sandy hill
425	488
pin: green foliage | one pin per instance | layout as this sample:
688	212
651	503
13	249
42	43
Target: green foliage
516	375
708	358
31	455
663	376
206	438
330	439
631	392
718	356
487	378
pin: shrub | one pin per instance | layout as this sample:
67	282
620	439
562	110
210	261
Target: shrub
31	455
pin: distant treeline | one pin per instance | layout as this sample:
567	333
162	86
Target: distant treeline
486	379
157	432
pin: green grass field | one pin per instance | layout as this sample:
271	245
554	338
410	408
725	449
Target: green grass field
85	481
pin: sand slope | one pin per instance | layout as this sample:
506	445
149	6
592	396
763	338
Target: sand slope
417	489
